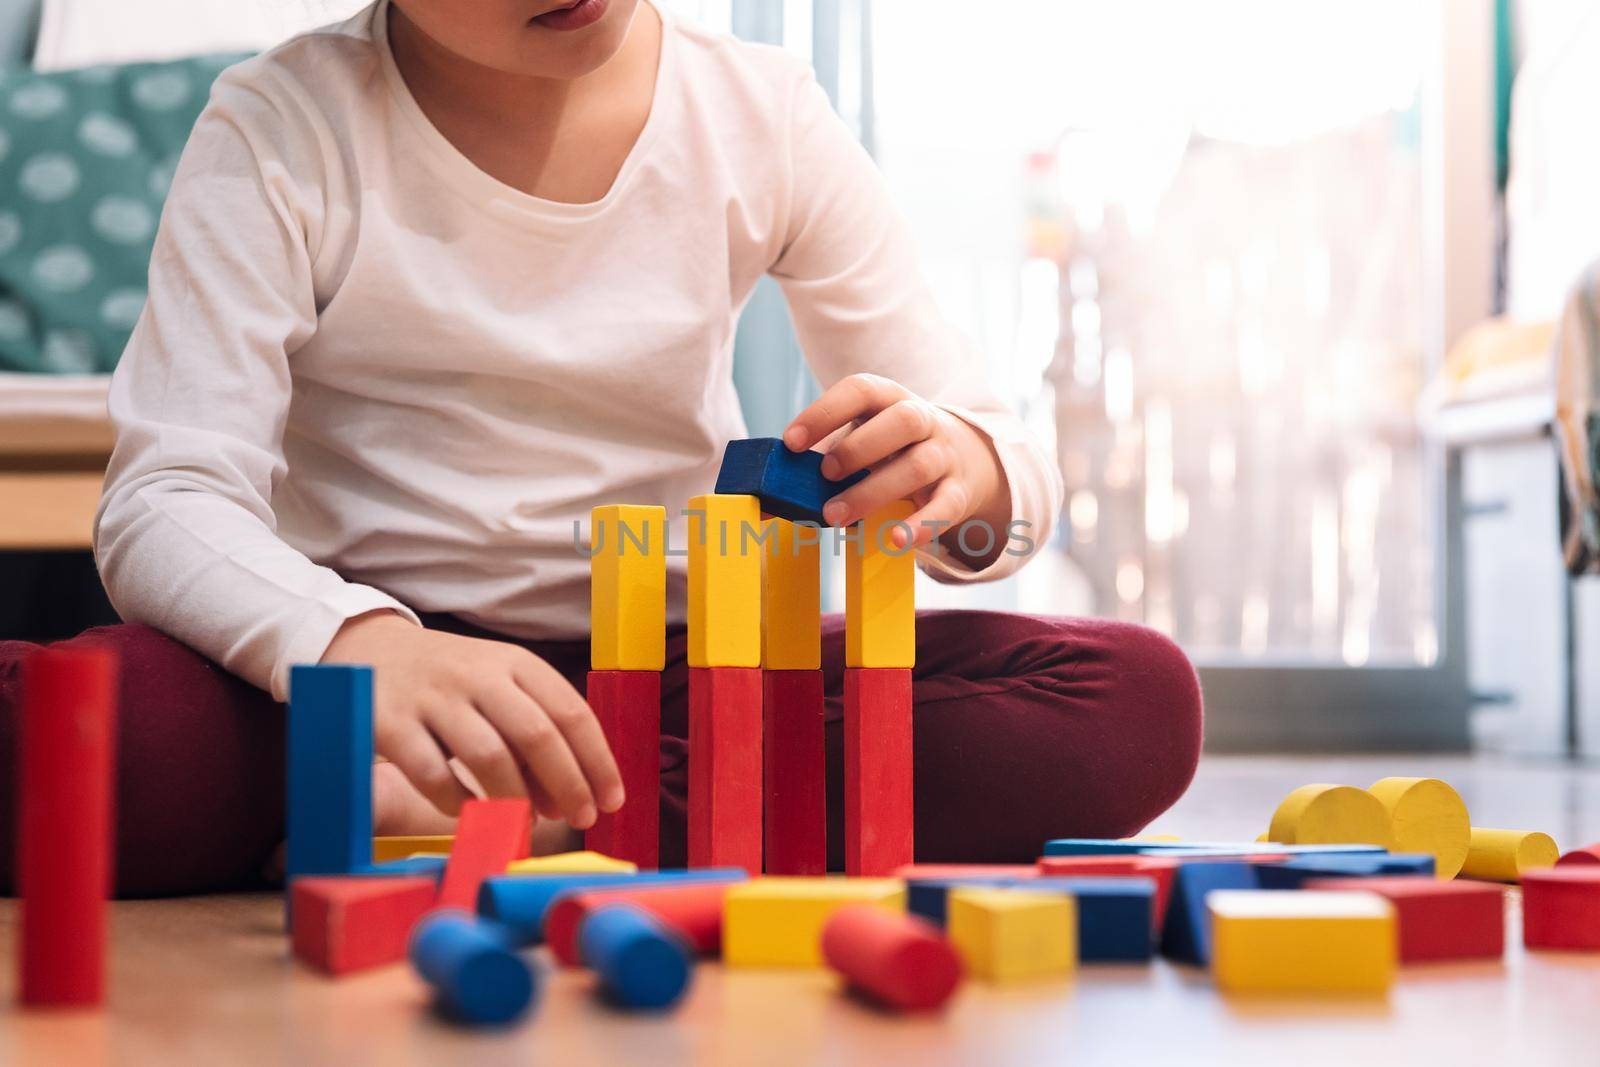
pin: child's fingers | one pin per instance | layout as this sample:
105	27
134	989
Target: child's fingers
543	750
469	737
420	760
914	469
577	723
903	423
847	399
946	507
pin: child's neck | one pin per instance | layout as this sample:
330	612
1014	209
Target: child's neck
561	139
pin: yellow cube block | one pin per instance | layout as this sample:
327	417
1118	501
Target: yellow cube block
571	863
777	922
1009	935
724	581
791	598
628	588
1309	941
385	849
880	622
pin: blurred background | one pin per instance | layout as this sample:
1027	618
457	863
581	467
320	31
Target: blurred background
1297	293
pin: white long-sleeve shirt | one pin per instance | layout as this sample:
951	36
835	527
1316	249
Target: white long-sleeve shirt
370	375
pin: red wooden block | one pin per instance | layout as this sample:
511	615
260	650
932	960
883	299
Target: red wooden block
878	802
725	767
1159	870
795	757
1588	855
1561	907
900	960
628	705
694	912
1438	920
489	835
344	924
68	735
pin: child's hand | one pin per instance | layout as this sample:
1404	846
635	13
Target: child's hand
506	714
916	450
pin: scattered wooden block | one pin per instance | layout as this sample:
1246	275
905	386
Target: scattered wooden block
585	862
1158	869
476	978
640	962
1186	935
788	483
724	581
489	835
791	598
627	704
913	872
900	961
725	801
1306	942
794	783
344	924
1005	936
1295	872
67	762
879	802
329	825
777	922
418	866
1437	920
1331	814
628	588
691	909
880	624
1506	855
519	903
1426	815
401	847
1089	846
1561	908
1113	913
1580	857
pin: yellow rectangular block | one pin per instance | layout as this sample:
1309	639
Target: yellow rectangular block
777	922
385	849
724	581
571	863
1308	941
1008	935
791	597
628	588
880	623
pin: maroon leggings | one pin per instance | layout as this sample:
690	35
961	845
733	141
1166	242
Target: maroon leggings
1026	728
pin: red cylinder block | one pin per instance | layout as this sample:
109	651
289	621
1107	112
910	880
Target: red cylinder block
1587	856
64	847
694	912
898	959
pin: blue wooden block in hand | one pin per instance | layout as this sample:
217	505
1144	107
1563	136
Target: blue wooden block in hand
788	484
1186	936
475	975
1292	874
329	826
641	963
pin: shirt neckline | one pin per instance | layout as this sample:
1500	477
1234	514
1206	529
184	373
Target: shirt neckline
485	187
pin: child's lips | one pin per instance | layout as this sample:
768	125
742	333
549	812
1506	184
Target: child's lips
572	16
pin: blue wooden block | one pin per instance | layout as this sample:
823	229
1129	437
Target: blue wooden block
927	896
410	867
519	901
789	484
640	963
329	826
1292	874
1093	846
476	977
1114	914
1186	935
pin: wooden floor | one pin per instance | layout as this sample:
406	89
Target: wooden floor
209	981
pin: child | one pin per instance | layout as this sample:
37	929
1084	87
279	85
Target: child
432	283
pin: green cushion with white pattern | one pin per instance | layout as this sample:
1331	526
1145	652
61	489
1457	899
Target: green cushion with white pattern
86	157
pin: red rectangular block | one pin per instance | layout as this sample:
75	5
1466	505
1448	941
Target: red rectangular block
68	736
1157	869
628	705
344	924
1438	920
489	835
794	755
878	799
725	767
692	911
1561	907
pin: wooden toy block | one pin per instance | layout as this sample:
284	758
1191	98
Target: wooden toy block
65	793
385	849
418	866
1505	855
880	618
879	804
913	872
1293	873
343	924
640	962
1580	857
1426	815
1437	920
724	581
791	598
1331	814
519	903
329	824
794	753
1305	942
691	909
1561	908
789	484
585	862
628	707
1006	936
1159	870
1079	846
725	765
489	835
900	961
1186	935
1113	913
777	922
476	978
628	588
